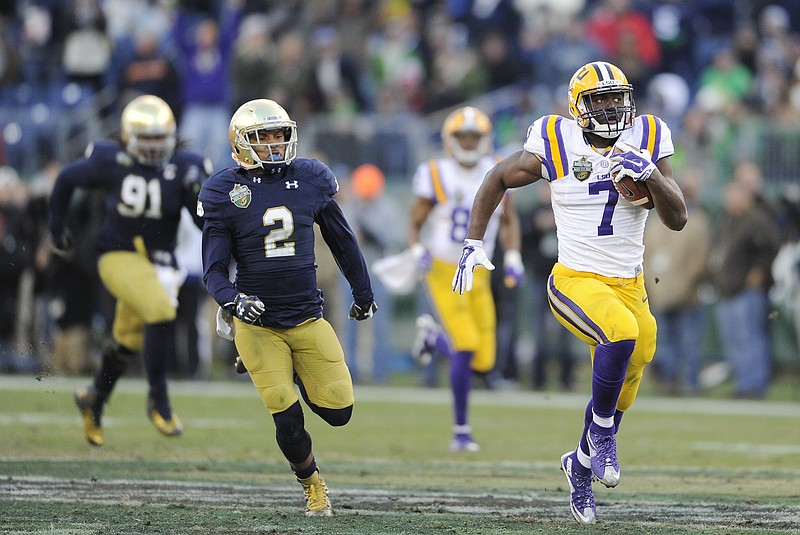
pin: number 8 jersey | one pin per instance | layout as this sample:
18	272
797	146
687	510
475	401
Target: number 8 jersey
452	189
597	231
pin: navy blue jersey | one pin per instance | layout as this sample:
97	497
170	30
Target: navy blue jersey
140	201
265	224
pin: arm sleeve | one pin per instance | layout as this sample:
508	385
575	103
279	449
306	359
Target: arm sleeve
343	245
193	182
217	245
61	196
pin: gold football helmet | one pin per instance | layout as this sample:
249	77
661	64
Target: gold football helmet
248	126
467	120
596	78
148	130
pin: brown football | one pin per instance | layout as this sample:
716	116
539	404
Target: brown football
635	192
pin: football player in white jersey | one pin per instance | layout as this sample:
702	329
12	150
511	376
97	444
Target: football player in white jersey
464	329
596	289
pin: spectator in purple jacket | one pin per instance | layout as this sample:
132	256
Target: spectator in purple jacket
206	46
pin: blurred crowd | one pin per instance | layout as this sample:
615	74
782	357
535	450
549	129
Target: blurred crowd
724	74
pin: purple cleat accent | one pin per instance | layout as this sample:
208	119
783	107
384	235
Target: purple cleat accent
603	451
581	497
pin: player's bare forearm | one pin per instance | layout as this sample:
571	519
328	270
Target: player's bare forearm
419	214
510	232
486	200
516	170
667	196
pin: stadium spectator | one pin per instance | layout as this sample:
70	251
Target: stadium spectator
596	289
396	58
87	46
368	209
745	243
454	72
677	264
290	77
41	42
15	260
71	282
261	214
552	343
206	48
146	181
336	84
254	57
726	79
463	329
625	35
150	72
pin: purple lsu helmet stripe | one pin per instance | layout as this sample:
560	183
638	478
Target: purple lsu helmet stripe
603	71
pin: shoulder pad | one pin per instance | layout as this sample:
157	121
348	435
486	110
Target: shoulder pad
107	151
316	172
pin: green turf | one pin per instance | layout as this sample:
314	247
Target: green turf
713	466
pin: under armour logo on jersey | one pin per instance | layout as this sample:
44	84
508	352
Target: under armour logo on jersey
292	185
257	179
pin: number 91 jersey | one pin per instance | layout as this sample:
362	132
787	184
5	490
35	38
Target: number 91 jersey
597	231
141	202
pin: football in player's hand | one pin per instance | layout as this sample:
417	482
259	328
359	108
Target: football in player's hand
635	192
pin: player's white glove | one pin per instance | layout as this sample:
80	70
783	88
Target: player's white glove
422	257
513	269
634	163
248	308
472	255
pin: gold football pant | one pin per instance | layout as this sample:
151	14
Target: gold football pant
140	297
599	310
312	350
469	319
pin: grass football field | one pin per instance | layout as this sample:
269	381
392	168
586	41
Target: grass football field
711	466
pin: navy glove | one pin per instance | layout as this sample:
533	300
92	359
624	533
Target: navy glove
62	243
362	312
248	308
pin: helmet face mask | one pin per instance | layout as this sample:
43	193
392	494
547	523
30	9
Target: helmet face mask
467	135
148	130
601	99
254	137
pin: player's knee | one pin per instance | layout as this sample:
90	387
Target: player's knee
623	323
289	423
278	398
336	394
335	417
162	314
293	440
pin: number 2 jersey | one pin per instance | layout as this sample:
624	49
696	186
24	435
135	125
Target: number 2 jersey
142	203
597	230
265	224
